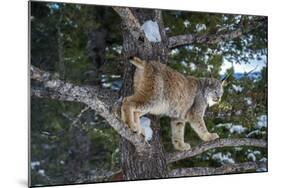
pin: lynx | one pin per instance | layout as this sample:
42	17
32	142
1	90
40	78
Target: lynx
160	90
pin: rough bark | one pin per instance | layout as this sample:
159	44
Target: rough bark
176	156
140	160
153	164
225	169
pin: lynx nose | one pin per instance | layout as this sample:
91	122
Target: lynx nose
216	99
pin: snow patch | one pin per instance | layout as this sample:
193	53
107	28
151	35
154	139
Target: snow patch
248	100
183	63
209	68
237	129
237	88
223	158
106	85
146	129
186	23
226	125
151	30
175	51
251	156
192	66
41	172
200	27
232	128
33	164
262	122
264	159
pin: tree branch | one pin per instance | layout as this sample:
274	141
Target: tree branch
180	40
99	177
130	21
229	168
219	143
97	99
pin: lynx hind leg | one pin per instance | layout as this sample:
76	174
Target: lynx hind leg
200	128
128	115
137	115
178	135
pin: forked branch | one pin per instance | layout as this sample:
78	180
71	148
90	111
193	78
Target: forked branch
97	99
129	20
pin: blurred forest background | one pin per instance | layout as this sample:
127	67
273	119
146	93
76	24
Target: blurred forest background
83	45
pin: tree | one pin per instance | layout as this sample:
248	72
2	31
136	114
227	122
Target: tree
139	159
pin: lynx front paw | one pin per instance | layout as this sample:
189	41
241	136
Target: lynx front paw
181	146
210	137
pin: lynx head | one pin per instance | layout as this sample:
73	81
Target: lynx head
213	90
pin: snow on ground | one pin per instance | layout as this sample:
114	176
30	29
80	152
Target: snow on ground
223	158
151	30
146	129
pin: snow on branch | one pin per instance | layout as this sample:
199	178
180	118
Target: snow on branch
97	99
219	143
151	30
229	168
180	40
130	21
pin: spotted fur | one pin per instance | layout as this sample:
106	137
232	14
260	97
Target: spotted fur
160	90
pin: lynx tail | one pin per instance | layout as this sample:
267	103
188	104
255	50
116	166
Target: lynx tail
138	62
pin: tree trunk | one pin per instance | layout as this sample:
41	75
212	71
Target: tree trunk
153	164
